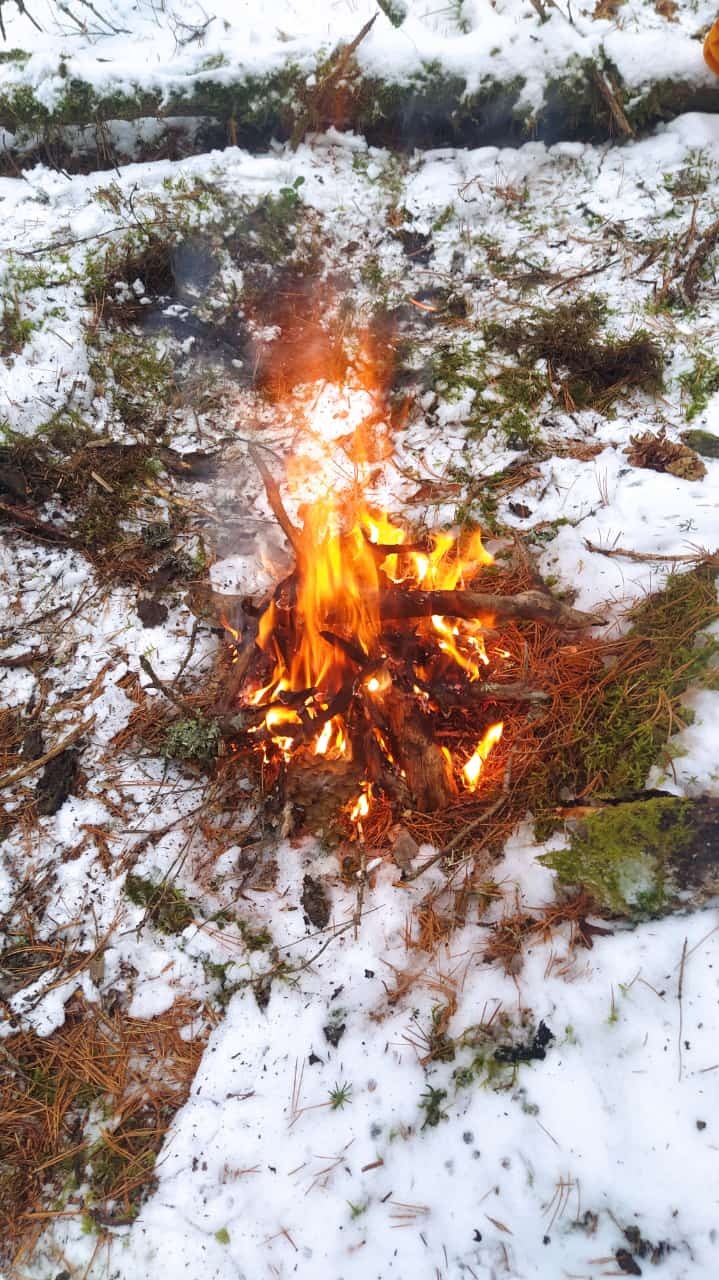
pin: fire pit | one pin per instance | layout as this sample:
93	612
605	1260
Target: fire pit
378	670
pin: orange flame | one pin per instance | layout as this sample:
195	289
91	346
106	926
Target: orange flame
473	768
361	806
347	553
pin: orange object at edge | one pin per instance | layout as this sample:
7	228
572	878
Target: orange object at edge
711	48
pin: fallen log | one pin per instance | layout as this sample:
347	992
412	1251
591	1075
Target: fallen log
645	858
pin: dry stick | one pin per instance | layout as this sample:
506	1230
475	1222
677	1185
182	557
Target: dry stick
611	98
273	497
708	241
565	281
26	520
491	692
340	60
190	651
457	839
238	672
693	557
534	606
18	774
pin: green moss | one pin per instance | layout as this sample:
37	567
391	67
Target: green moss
665	99
693	178
699	384
18	56
515	392
222	1236
621	722
454	367
431	1103
138	377
269	231
166	906
623	854
703	442
594	368
15	328
632	718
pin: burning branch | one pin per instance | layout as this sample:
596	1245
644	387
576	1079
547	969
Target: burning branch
293	536
533	606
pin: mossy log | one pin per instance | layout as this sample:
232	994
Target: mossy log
429	108
646	858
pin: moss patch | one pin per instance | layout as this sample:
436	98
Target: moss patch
594	369
637	706
603	737
699	384
623	855
166	906
703	442
645	858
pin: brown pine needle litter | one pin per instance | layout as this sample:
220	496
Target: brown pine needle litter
83	1114
612	707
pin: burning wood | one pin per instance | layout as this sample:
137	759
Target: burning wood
369	656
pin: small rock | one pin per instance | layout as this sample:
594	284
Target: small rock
404	849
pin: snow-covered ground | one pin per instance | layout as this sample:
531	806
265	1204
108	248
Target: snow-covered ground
316	1141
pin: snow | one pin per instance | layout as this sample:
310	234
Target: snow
260	1175
478	40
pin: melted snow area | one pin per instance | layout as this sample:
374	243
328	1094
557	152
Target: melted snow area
539	1173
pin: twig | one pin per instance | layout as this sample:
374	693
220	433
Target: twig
680	993
708	242
169	693
190	650
273	497
693	557
338	64
565	281
18	774
26	520
456	839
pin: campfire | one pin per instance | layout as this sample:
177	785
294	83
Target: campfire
377	668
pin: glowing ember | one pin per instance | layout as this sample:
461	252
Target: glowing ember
473	767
